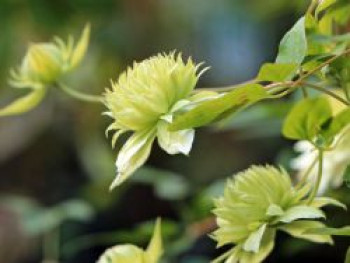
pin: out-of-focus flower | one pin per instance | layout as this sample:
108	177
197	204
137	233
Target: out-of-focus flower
130	253
258	202
144	101
335	161
44	64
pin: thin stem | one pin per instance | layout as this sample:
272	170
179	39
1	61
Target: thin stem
51	246
308	74
79	95
326	91
312	6
223	256
305	176
319	176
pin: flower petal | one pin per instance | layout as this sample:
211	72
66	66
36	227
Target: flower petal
25	103
155	247
133	154
80	48
174	142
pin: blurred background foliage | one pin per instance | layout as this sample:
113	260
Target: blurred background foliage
56	165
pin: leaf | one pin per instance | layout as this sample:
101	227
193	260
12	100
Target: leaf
277	72
25	103
48	219
252	244
301	212
320	202
293	47
306	118
211	110
297	229
347	176
340	121
343	231
324	4
347	257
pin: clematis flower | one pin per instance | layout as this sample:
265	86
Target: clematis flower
130	253
144	101
44	64
258	202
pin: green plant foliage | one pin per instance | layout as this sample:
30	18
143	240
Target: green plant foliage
277	72
222	106
306	119
293	47
343	231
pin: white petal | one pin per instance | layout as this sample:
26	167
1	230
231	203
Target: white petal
133	154
174	142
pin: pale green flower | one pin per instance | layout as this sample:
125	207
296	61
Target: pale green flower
44	64
132	254
144	101
258	202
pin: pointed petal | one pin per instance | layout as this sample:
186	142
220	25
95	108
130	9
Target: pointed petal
174	142
155	247
133	154
81	47
25	103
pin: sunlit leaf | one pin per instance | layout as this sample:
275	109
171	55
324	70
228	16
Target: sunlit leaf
343	231
214	109
306	118
301	212
277	72
293	47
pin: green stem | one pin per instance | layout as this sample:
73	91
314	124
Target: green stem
79	95
326	91
223	256
51	246
319	176
305	176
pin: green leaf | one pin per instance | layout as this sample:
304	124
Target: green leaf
297	229
293	47
25	103
252	244
347	257
306	118
343	231
339	122
320	202
324	4
347	176
214	109
301	212
277	72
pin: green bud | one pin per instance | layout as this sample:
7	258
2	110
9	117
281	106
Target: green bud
129	253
